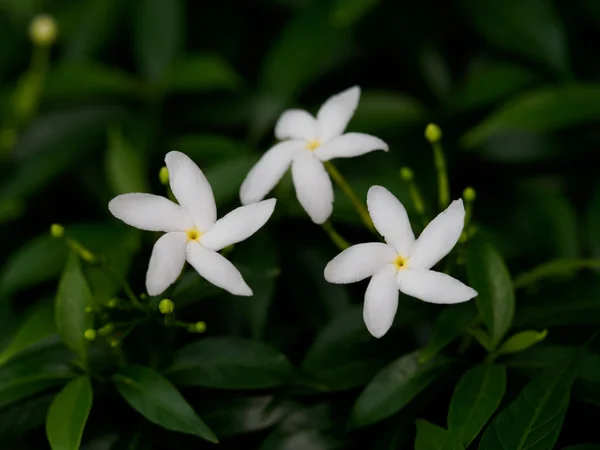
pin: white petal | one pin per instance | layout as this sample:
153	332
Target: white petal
269	169
433	287
192	190
349	145
381	301
216	269
358	262
336	112
166	262
239	224
313	186
149	212
296	124
390	219
439	237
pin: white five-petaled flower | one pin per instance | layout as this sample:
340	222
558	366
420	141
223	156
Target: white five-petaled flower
193	232
307	142
403	263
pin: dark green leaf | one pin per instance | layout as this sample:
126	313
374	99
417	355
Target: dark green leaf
554	269
72	299
534	419
158	31
434	70
593	222
531	28
476	397
201	73
489	276
150	394
22	417
209	148
545	110
229	363
432	437
482	337
393	387
125	165
37	326
68	414
521	341
583	447
452	322
226	177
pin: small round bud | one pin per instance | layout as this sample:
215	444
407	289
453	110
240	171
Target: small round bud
200	327
406	173
469	194
113	303
106	329
163	175
143	296
89	334
166	306
89	309
57	230
114	342
43	30
433	133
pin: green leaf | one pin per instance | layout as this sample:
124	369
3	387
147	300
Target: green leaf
452	322
489	83
522	340
393	387
583	447
531	28
226	177
229	363
158	32
201	73
72	299
554	269
37	326
150	394
68	414
210	148
23	417
125	166
482	337
432	437
544	110
489	276
476	397
348	12
535	417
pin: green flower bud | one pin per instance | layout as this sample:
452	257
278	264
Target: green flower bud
114	343
43	30
433	133
163	175
106	329
89	334
57	230
200	327
113	303
166	306
406	173
469	194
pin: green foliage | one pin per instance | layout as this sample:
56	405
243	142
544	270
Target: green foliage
431	437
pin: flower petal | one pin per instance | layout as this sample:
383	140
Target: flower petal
216	269
349	145
192	190
269	169
313	186
381	301
358	262
166	261
239	224
149	212
439	237
336	112
390	219
433	287
296	124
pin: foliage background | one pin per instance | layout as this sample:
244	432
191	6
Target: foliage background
514	86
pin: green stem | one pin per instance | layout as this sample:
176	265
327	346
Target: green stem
119	279
335	237
442	174
341	182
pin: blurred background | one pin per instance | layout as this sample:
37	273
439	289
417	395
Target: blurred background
513	84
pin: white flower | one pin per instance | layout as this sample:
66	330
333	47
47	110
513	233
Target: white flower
403	263
307	143
193	232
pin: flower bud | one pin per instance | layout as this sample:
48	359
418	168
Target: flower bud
433	133
57	230
200	327
406	173
113	303
163	175
43	30
469	194
166	306
106	329
89	334
114	342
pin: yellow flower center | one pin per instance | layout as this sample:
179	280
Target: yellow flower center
313	144
400	262
193	234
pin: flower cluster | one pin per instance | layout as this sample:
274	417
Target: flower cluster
193	233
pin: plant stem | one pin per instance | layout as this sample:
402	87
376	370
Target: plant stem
442	174
341	182
335	237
